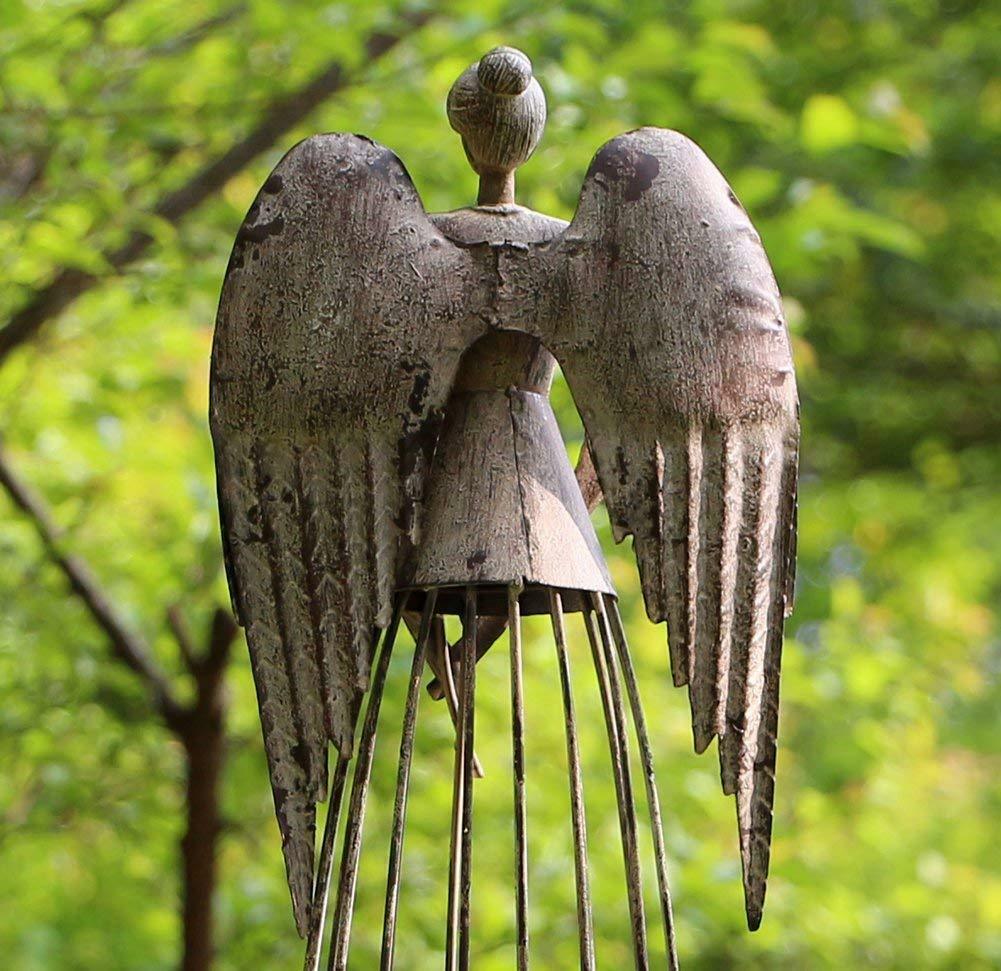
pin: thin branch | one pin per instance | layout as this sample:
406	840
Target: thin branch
182	635
204	663
222	633
99	17
126	645
287	112
182	42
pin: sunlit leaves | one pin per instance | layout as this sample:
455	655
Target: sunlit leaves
828	123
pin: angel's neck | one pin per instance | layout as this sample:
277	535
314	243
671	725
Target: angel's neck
496	189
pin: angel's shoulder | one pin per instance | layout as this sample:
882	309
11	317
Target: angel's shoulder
667	146
497	225
662	172
331	160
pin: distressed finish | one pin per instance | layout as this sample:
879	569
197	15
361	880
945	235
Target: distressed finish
380	415
503	505
499	110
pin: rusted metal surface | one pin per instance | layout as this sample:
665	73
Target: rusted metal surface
347	883
518	778
609	605
380	416
395	867
503	505
599	638
582	880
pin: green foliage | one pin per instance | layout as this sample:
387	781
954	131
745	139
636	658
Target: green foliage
864	139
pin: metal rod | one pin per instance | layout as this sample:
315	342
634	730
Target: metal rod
452	913
395	868
646	759
585	926
321	889
468	696
460	855
341	932
518	763
600	640
452	699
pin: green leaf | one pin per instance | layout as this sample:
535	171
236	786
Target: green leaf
827	123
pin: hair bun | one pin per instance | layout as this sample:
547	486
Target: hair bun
504	71
499	109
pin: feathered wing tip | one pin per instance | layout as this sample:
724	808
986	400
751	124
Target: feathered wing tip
675	311
748	746
319	423
297	822
725	597
298	521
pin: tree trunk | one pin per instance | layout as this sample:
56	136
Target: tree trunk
203	735
204	750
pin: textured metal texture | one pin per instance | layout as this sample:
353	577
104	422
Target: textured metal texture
518	778
679	360
329	372
352	322
585	921
503	505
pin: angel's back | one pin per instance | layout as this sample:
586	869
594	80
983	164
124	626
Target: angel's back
502	504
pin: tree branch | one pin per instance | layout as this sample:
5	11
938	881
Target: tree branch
126	645
175	45
203	736
200	726
182	635
281	117
222	633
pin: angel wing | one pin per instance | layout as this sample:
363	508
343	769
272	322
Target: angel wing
336	344
677	354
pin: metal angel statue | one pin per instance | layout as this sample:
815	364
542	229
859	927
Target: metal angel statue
387	454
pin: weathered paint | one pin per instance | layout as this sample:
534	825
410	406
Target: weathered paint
344	319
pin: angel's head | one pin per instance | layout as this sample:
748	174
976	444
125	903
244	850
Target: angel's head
498	108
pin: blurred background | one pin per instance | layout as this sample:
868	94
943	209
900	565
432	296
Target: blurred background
863	136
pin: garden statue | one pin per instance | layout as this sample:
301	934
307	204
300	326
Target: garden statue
387	453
